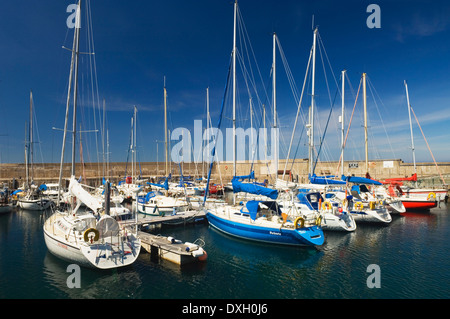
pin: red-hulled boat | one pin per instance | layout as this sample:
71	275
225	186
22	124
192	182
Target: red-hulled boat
440	194
418	204
413	202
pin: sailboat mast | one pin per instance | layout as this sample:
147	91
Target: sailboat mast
75	90
252	150
68	101
134	146
311	119
342	123
207	125
107	156
165	129
274	84
31	136
103	136
410	127
26	154
265	132
365	123
234	89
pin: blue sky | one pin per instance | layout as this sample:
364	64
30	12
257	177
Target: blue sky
138	43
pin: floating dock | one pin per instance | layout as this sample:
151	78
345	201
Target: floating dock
172	249
180	218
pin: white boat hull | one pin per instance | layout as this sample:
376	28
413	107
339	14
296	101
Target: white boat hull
159	205
336	223
65	251
439	194
396	207
155	210
372	216
110	251
37	204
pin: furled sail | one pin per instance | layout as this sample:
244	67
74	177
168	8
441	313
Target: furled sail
80	193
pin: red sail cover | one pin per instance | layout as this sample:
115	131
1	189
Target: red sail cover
398	180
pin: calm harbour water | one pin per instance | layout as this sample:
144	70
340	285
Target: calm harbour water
412	253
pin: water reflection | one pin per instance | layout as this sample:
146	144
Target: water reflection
95	284
412	252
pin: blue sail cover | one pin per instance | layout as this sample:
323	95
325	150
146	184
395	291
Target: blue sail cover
249	177
253	207
325	180
165	185
360	180
253	189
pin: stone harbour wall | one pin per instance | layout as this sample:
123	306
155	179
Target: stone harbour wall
427	172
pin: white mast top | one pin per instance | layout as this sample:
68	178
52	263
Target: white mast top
342	123
31	137
134	146
165	130
234	89
74	56
311	120
75	90
275	135
410	127
365	123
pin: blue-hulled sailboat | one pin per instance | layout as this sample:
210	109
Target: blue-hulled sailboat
264	221
258	220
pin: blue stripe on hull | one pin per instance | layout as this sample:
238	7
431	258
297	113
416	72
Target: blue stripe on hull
308	236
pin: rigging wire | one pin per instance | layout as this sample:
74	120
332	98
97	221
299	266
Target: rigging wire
349	124
379	114
429	149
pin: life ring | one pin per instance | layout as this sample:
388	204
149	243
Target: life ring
359	206
431	196
302	222
326	205
319	220
88	237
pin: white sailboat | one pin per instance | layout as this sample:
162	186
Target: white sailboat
92	238
34	198
169	198
333	216
157	204
131	185
413	197
310	201
361	208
